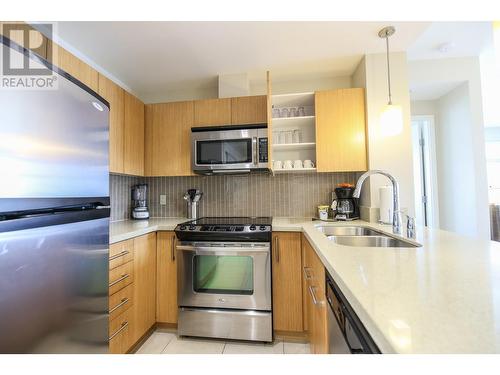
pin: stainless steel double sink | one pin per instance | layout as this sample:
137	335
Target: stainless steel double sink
362	236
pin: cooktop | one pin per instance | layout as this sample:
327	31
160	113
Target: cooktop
225	229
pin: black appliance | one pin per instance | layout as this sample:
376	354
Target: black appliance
345	206
346	333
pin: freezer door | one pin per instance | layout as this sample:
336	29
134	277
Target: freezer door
53	142
54	288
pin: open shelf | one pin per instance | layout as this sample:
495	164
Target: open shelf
294	146
293	100
295	170
285	122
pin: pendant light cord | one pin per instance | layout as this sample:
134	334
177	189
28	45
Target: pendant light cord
388	70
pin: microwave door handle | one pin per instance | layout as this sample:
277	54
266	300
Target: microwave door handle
255	151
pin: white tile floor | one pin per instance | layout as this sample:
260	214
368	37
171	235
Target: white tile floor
163	342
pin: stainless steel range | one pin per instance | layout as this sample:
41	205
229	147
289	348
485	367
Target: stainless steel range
224	278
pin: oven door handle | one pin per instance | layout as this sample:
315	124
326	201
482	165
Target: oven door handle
223	250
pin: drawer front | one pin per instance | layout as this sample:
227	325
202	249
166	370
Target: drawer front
120	277
121	253
121	301
120	333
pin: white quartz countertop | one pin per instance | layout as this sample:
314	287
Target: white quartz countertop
126	229
443	297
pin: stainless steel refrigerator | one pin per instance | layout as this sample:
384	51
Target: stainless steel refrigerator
54	216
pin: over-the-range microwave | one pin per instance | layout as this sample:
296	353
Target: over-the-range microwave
229	149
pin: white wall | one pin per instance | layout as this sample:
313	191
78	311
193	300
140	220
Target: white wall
464	69
394	153
423	107
455	163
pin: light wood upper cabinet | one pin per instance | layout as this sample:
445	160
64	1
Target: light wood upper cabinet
212	112
144	308
168	139
133	143
166	278
114	94
249	110
287	282
74	66
340	130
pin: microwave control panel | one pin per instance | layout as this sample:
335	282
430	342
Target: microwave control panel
263	147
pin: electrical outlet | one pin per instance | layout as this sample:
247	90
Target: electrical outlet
163	199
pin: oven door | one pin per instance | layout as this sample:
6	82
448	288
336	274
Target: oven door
232	275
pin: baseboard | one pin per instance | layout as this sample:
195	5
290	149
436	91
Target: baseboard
299	337
142	340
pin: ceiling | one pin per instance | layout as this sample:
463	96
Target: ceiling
153	57
433	90
463	38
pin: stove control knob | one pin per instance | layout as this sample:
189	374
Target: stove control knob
252	227
192	227
262	227
183	227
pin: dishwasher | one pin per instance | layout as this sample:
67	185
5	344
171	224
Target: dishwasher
346	333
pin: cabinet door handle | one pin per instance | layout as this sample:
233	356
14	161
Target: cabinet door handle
277	249
123	326
123	302
123	277
173	248
124	252
313	296
307	275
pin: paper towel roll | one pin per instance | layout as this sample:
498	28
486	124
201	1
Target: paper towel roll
386	205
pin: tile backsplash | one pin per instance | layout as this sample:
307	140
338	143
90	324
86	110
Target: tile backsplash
287	194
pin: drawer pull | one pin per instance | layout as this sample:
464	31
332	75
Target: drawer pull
124	252
123	302
307	275
313	295
123	277
123	326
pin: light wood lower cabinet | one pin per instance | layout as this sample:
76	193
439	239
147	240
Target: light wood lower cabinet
132	291
166	278
315	300
287	282
120	333
144	308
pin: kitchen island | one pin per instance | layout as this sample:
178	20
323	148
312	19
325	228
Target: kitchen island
443	297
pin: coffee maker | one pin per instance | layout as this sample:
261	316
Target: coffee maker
344	206
139	198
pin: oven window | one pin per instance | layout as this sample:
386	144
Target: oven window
227	151
221	274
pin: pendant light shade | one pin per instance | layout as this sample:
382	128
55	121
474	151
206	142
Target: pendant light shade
391	118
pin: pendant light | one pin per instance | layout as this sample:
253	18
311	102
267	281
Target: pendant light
391	118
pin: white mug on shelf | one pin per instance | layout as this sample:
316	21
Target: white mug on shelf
308	164
287	164
278	164
297	164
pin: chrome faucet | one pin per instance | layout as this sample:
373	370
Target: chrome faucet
396	215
